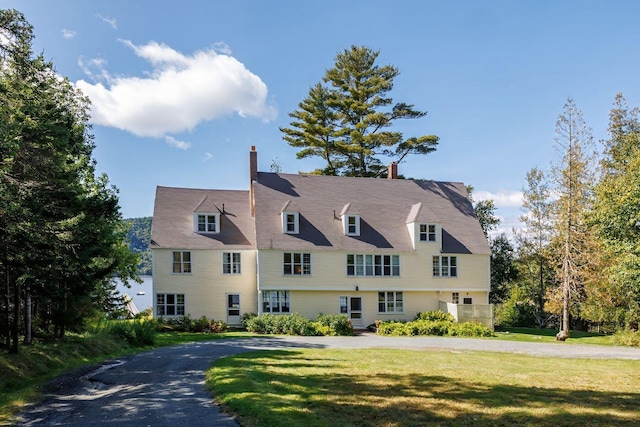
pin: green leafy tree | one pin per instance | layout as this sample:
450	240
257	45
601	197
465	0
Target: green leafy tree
573	178
615	297
537	233
485	211
503	268
345	119
139	237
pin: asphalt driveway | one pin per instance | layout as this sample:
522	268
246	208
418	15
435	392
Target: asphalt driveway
165	387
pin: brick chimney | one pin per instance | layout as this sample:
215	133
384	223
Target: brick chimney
392	171
253	176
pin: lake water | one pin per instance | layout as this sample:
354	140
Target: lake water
140	293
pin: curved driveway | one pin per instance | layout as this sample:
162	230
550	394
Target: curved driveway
165	387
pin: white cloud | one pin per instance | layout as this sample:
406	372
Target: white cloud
501	199
110	21
94	68
180	92
68	34
207	156
176	143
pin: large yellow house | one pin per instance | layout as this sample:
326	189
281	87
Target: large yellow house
369	248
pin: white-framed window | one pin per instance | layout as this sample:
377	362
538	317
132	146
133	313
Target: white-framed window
344	305
207	222
373	265
455	297
181	262
231	263
276	302
390	302
445	266
351	225
296	264
427	233
170	305
290	222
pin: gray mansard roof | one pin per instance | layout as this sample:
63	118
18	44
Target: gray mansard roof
385	206
173	219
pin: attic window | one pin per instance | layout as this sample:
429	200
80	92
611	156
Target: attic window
351	225
290	222
427	232
207	223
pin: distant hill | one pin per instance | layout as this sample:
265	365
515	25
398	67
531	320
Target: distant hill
139	236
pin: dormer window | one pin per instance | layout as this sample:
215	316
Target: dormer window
351	225
207	223
427	232
290	222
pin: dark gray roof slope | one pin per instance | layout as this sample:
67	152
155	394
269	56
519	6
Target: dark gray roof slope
172	225
384	205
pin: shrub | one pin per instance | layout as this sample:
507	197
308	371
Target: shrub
517	310
137	333
433	323
187	324
392	327
334	324
297	324
470	329
434	316
246	317
630	338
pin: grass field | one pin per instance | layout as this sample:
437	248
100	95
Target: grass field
549	335
22	376
381	387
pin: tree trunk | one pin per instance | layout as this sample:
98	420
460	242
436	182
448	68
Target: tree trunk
7	303
16	318
541	299
27	318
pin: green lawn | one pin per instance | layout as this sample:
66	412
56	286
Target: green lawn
384	387
23	376
549	335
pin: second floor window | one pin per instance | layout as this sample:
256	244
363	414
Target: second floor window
296	264
445	266
181	262
231	263
373	265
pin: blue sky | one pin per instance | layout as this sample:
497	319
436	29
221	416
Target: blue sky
181	90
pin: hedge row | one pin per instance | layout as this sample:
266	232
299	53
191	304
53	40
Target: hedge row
433	323
187	324
297	324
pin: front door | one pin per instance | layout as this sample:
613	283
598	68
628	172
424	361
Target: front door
352	307
233	309
355	310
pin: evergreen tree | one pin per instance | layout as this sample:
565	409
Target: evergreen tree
345	119
61	232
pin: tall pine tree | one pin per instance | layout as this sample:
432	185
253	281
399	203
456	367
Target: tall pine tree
346	119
